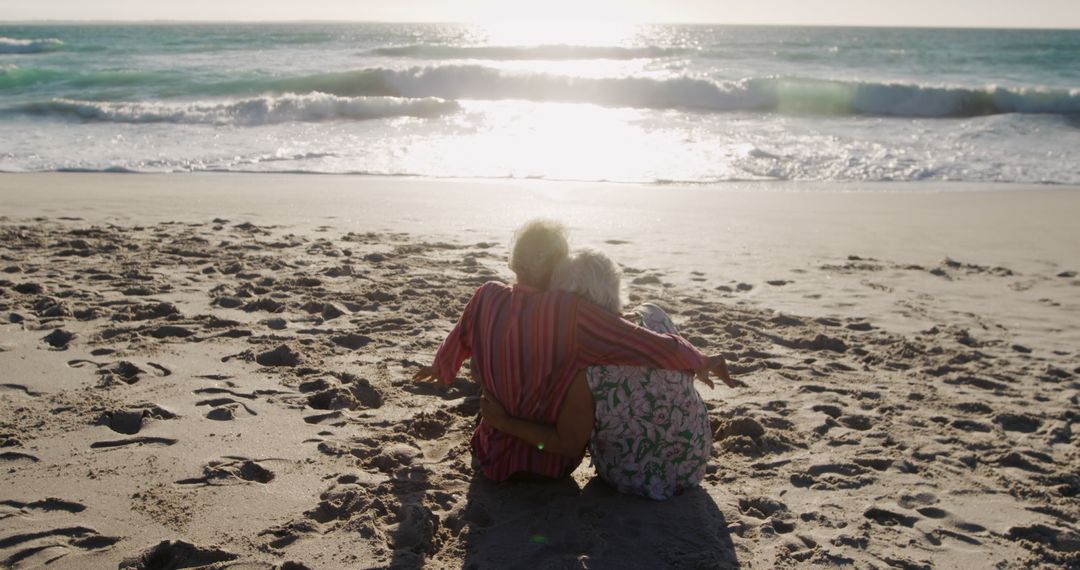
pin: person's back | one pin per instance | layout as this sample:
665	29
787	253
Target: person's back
522	344
650	431
519	339
651	435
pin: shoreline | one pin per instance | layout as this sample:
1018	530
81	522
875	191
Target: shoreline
772	185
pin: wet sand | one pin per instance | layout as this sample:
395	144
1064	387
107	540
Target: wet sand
215	369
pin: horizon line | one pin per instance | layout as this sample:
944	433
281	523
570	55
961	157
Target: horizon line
166	21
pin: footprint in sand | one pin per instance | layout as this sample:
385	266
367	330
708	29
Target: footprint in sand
130	421
833	476
17	457
334	418
169	331
1061	540
1027	460
225	409
120	371
857	422
176	554
123	371
762	507
937	536
359	393
19	388
428	425
998	388
386	454
59	339
829	410
161	370
50	504
45	547
411	526
337	398
142	440
231	471
459	388
885	517
351	341
749	436
282	535
1023	423
974	408
827	515
875	463
214	390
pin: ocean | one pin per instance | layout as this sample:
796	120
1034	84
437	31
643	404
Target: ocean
653	104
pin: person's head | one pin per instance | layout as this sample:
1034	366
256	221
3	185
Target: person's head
592	275
539	246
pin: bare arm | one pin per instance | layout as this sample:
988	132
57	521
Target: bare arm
567	437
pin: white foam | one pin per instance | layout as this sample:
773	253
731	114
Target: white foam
248	112
14	45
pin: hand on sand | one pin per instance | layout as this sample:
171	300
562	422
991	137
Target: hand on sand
716	364
425	373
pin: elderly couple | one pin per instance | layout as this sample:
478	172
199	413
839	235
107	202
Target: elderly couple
560	368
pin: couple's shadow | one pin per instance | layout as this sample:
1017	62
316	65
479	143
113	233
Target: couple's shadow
558	524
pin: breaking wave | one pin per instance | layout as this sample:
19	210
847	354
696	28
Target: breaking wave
788	95
14	45
247	112
256	99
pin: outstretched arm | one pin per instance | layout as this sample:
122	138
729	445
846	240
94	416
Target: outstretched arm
455	348
605	338
567	437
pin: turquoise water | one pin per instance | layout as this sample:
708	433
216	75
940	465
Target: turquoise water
649	104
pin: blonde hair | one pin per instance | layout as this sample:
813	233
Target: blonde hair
539	246
592	275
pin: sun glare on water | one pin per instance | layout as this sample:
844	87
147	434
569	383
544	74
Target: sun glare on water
559	139
541	32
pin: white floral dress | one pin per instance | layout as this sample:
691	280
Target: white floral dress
651	435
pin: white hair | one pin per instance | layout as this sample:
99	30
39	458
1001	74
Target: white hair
592	275
539	246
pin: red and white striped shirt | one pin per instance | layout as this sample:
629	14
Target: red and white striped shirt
526	346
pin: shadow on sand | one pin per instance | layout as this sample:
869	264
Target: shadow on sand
558	524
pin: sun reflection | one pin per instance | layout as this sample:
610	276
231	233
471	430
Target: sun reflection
547	31
565	141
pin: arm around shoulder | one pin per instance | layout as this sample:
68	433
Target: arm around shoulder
605	338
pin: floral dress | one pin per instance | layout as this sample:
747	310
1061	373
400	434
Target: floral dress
651	435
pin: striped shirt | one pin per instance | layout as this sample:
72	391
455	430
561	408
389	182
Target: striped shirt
526	345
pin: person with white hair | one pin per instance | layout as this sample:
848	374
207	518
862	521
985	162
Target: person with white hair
647	429
528	345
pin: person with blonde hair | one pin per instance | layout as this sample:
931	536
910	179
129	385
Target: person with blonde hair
647	429
527	344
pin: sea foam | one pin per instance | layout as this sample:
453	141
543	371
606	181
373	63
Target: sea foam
247	112
14	45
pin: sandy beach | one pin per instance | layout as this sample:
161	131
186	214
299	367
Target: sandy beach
213	370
